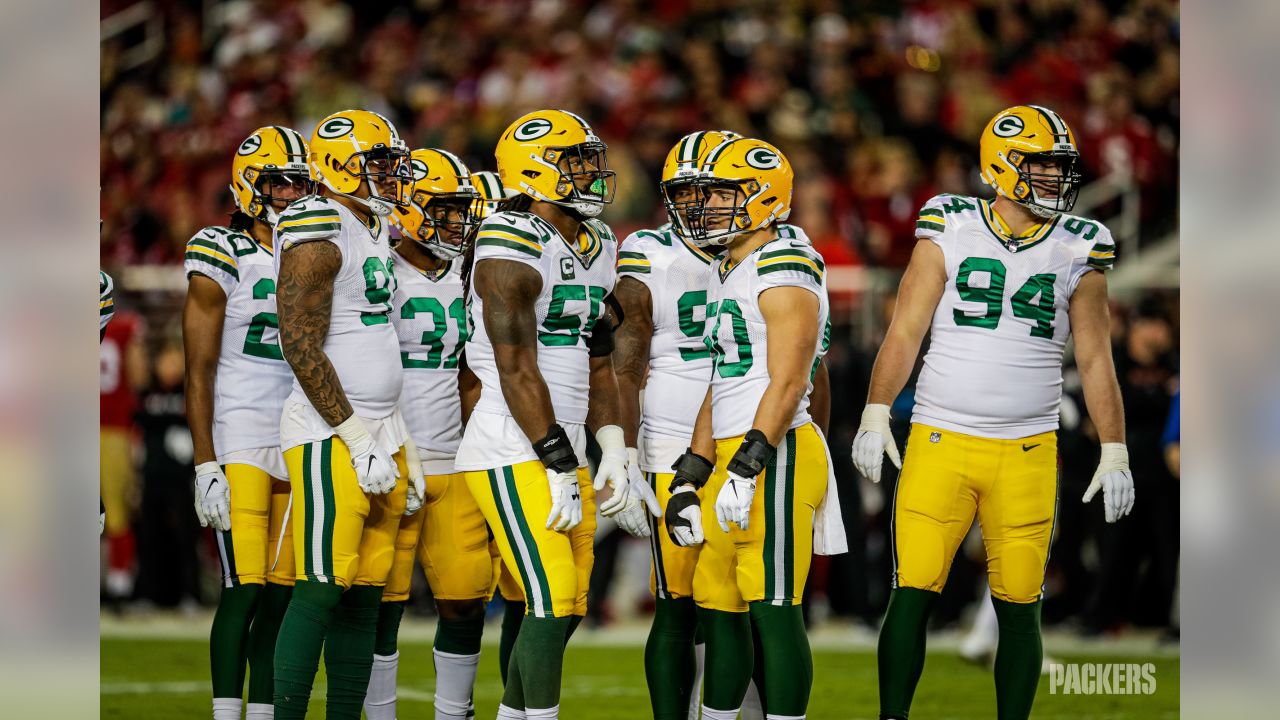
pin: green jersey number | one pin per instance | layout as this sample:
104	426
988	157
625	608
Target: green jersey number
433	339
688	307
738	323
1033	301
379	283
560	329
253	343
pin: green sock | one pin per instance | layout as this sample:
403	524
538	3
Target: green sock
348	651
901	651
512	616
669	662
788	664
757	670
1018	658
262	640
539	657
389	615
459	637
729	658
299	644
229	639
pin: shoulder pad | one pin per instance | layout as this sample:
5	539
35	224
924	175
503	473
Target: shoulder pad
795	233
1096	237
309	218
212	252
517	231
790	256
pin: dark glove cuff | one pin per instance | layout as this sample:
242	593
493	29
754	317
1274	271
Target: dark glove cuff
753	454
555	451
691	469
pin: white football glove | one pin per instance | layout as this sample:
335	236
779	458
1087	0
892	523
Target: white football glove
102	516
213	497
684	517
417	482
612	469
375	470
733	504
634	517
873	441
566	501
1114	480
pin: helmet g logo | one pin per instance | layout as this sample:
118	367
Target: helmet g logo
250	145
763	159
532	130
1008	126
336	127
419	170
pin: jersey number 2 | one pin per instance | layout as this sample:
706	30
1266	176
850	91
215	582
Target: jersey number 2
1024	302
253	343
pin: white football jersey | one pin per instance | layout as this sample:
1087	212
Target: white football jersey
994	364
678	276
106	304
738	339
430	316
575	281
362	344
253	379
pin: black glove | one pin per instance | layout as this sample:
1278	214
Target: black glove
753	454
691	469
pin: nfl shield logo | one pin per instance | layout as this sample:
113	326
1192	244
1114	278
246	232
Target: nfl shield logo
935	437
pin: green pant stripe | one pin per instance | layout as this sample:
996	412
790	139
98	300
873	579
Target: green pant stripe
770	528
789	529
655	547
227	553
326	482
535	559
308	514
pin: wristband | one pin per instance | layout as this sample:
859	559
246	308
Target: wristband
691	469
753	454
555	451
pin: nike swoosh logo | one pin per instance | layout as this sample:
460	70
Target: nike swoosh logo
1026	447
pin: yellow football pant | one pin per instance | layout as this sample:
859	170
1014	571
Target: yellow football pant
115	473
503	581
553	568
947	477
342	535
449	538
259	545
671	575
769	561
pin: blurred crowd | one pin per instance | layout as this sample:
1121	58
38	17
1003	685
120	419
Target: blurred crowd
878	104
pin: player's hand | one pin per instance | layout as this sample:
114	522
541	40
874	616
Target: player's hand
634	518
873	441
733	504
213	497
612	469
375	470
417	483
566	501
684	517
1115	481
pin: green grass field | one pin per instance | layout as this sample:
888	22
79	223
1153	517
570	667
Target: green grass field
146	679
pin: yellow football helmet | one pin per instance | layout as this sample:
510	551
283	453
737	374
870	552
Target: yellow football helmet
764	179
1026	134
681	166
271	159
352	149
549	154
492	194
439	214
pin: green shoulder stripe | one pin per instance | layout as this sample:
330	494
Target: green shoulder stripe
795	253
923	224
214	263
935	212
322	228
792	267
490	241
629	255
654	236
512	230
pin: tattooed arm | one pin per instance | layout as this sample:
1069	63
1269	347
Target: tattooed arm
631	351
509	290
304	298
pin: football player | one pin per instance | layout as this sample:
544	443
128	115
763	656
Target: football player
449	535
106	308
236	385
341	431
1000	286
542	270
768	307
